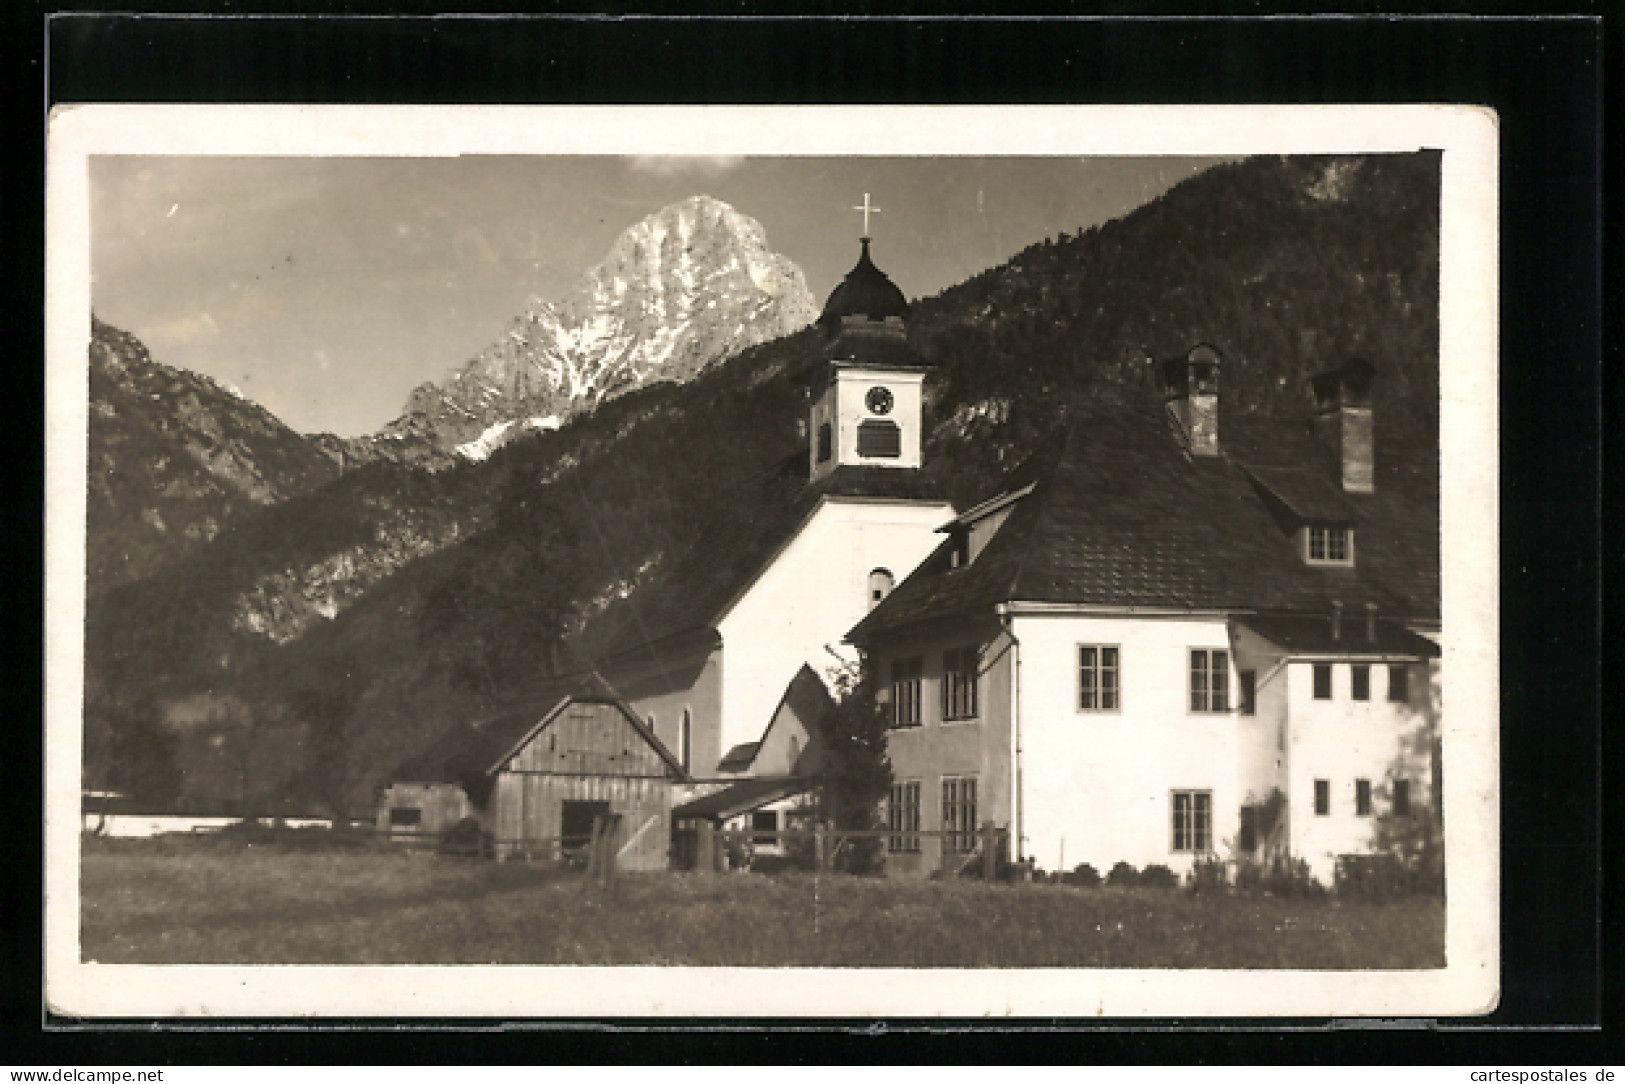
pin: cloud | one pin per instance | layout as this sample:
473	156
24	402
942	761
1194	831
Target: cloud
677	165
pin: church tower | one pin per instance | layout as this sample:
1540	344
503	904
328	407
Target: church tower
865	390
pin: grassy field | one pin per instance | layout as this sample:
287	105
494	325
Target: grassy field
143	905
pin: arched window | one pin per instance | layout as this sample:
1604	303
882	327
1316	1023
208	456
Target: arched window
880	585
685	742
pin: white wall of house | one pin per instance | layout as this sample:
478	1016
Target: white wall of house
1098	786
1343	740
807	599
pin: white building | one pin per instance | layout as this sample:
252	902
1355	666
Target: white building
1124	653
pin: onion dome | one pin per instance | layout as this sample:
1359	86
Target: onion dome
865	292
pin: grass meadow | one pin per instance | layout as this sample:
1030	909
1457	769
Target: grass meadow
148	902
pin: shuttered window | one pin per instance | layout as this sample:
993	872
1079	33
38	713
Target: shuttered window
880	440
959	683
905	692
903	817
959	814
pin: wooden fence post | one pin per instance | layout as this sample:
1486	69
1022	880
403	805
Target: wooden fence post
606	840
592	847
990	858
704	862
821	845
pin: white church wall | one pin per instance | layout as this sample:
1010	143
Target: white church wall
800	608
1098	786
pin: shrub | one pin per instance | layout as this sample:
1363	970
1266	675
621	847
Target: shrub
466	837
1249	876
1372	876
1291	877
1123	875
1158	876
1209	875
1083	875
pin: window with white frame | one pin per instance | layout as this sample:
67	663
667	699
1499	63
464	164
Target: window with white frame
1401	801
959	814
1193	821
1323	797
903	817
905	691
959	668
1362	797
1099	678
1330	545
1210	679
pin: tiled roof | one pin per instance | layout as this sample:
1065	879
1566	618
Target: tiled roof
1311	634
476	747
1122	516
1304	493
700	587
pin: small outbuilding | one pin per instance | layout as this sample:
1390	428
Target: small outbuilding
539	773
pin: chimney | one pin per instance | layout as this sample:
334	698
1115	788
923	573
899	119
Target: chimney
1343	419
1337	620
1371	622
1192	387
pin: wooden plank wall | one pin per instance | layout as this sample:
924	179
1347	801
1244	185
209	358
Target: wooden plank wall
590	739
528	807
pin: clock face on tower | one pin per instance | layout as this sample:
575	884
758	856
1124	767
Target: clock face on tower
878	400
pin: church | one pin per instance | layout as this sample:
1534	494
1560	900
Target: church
1177	631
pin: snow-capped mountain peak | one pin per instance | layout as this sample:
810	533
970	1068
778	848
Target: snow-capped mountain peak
688	286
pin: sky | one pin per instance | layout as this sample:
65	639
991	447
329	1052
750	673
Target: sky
325	289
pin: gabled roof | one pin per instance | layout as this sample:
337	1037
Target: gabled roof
739	757
484	745
702	586
1120	516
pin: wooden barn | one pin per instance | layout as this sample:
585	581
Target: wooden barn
539	773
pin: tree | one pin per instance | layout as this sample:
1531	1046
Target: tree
857	773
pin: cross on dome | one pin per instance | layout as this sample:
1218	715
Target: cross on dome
867	210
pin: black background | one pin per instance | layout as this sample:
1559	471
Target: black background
1543	75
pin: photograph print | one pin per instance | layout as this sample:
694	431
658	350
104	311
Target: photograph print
1007	555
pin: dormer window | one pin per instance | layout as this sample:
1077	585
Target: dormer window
826	446
1327	545
959	548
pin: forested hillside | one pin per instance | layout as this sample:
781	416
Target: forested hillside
1286	265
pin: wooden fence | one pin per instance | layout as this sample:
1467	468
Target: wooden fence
708	851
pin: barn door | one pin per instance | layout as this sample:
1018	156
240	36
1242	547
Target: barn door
575	824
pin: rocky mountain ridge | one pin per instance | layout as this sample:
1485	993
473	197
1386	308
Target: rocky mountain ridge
172	456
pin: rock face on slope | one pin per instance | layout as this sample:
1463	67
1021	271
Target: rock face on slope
172	454
688	286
